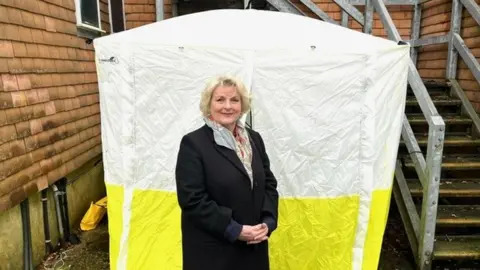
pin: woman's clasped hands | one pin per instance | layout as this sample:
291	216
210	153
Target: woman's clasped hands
254	234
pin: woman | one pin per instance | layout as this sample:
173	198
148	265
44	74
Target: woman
225	188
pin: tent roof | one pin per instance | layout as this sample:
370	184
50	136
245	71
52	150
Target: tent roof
249	29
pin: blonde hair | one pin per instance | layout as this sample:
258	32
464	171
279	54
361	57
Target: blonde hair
213	84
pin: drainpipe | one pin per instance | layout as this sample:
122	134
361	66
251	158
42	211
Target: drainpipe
27	238
46	227
58	211
159	9
72	238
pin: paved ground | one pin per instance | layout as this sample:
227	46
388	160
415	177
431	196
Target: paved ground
92	252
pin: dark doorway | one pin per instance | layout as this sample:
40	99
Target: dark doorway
191	6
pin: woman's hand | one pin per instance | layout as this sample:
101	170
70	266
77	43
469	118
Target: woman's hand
254	234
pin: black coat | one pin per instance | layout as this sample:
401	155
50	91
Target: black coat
213	187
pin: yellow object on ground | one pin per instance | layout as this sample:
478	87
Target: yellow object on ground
94	215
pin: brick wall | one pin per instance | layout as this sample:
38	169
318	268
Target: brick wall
139	12
432	59
49	113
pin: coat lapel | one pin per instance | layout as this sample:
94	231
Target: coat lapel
229	154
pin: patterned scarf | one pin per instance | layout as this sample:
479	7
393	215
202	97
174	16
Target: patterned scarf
237	141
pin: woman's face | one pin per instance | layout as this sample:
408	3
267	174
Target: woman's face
226	106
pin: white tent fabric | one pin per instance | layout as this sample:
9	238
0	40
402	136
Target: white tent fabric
328	101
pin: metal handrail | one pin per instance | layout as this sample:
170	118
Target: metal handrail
433	163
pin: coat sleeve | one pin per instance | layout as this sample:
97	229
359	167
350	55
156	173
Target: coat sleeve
270	203
192	195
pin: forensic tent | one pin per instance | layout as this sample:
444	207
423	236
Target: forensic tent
328	101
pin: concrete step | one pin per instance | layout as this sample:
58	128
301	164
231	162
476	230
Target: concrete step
458	216
452	162
431	92
449	188
449	119
440	100
457	248
450	140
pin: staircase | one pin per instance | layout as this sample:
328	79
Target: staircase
457	236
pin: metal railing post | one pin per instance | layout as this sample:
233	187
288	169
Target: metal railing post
428	218
417	17
455	25
368	24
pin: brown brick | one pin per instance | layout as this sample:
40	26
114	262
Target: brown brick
3	14
31	144
59	106
14	115
3	68
43	95
35	126
32	96
43	51
3	118
46	165
50	24
59	146
43	8
38	154
50	66
32	50
54	136
23	129
50	108
28	19
7	133
12	149
47	123
24	82
473	96
19	99
6	100
25	34
53	93
38	110
14	65
9	82
46	80
42	182
57	79
6	48
27	113
14	16
68	104
39	21
469	85
27	65
39	65
37	36
43	139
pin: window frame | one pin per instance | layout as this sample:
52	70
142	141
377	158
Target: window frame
110	16
80	24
